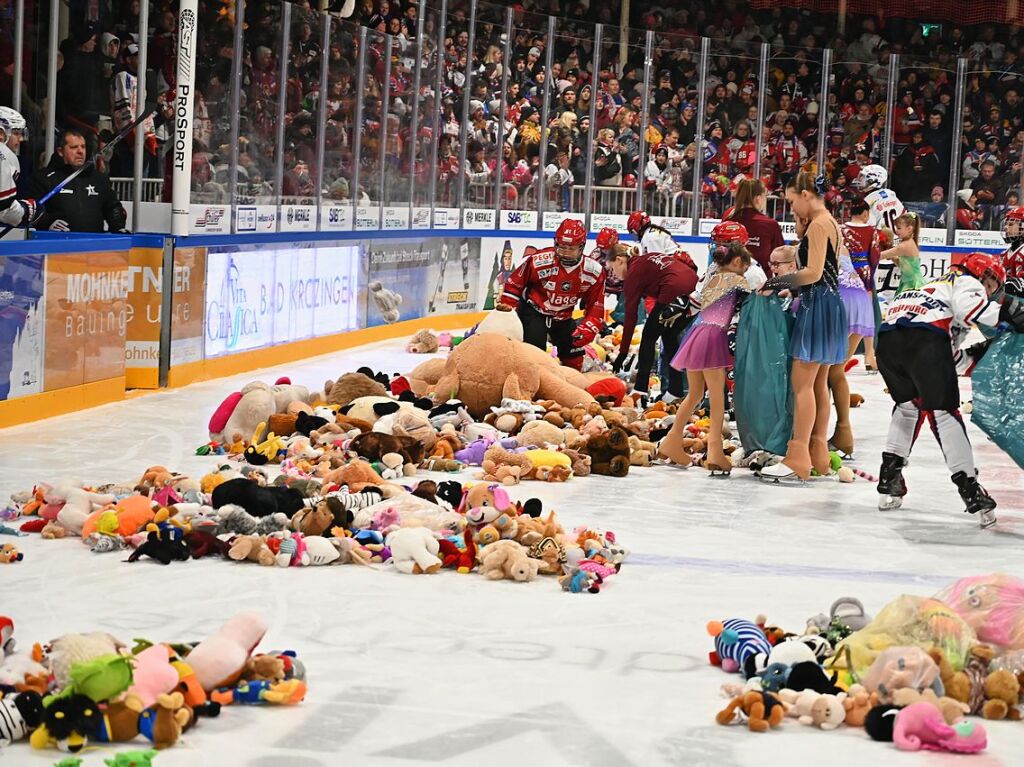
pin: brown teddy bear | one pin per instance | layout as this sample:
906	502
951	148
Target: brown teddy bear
373	446
251	548
992	695
609	452
352	386
641	453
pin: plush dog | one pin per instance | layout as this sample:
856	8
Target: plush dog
761	710
258	501
67	724
375	445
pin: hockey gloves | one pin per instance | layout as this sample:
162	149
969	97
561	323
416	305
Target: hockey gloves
585	332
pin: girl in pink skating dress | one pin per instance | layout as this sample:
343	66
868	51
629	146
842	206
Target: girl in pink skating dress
704	354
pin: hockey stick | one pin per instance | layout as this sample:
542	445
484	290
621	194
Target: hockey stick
90	163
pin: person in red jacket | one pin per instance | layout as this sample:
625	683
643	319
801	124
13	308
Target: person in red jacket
764	234
544	291
668	278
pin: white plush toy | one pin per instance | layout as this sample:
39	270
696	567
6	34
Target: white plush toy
505	324
414	550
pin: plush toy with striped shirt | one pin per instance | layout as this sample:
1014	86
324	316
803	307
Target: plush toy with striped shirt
735	640
19	715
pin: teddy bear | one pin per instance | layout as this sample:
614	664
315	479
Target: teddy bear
424	342
991	694
374	445
351	386
857	703
414	423
540	434
532	530
501	465
950	708
414	550
251	549
387	301
506	559
641	452
357	475
609	452
487	367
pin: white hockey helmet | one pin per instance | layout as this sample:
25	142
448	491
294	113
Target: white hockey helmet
11	121
872	177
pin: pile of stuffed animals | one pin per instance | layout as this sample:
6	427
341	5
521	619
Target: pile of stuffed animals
81	690
912	675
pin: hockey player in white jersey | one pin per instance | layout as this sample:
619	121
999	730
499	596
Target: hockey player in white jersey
652	238
917	346
13	212
884	207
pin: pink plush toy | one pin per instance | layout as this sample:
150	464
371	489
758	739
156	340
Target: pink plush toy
153	674
921	726
219	660
386	520
992	605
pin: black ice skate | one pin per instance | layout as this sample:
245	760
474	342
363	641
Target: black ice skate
976	498
891	487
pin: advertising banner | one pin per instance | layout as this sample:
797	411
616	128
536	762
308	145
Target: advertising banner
142	339
298	218
188	309
22	326
413	278
498	259
336	217
210	219
264	296
86	318
523	220
255	218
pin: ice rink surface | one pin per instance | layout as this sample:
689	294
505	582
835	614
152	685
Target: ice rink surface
451	669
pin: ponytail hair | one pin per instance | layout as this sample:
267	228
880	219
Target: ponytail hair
805	181
913	220
748	191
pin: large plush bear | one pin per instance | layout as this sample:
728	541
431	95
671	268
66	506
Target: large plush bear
487	367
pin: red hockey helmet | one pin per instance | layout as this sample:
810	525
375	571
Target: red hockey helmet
729	232
638	219
607	238
569	240
1013	225
982	265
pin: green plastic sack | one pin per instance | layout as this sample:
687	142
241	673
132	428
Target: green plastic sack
762	398
998	397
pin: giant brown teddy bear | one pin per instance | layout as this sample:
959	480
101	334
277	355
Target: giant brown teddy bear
487	367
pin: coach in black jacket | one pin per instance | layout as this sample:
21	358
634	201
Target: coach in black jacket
87	204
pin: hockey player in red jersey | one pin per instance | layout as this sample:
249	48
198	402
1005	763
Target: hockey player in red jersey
545	289
1013	236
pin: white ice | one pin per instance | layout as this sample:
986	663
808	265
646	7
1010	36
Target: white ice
450	669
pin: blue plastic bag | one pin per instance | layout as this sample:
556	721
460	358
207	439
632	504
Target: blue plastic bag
762	398
998	395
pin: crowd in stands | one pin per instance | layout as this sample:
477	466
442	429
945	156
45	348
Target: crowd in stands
97	83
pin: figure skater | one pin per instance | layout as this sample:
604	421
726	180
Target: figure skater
863	242
860	318
705	355
819	337
906	254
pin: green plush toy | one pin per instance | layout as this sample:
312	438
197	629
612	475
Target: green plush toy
71	761
102	678
131	759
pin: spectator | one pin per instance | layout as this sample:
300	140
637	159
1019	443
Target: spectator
988	187
87	203
917	170
765	234
938	137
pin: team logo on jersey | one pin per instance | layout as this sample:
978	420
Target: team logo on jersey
566	287
549	287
